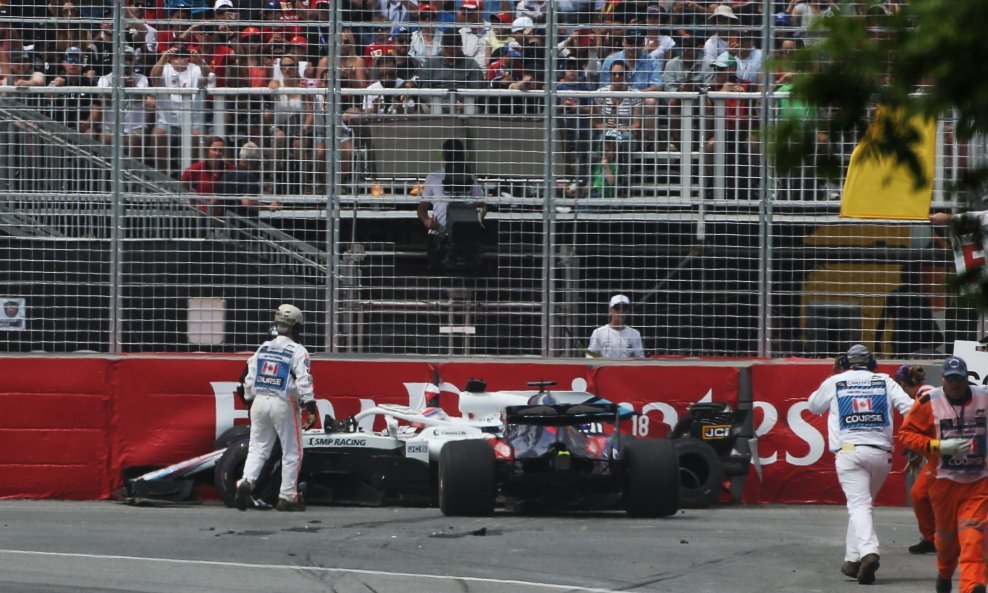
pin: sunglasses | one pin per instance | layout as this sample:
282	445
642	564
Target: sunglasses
288	64
73	61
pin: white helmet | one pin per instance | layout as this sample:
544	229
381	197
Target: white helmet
288	315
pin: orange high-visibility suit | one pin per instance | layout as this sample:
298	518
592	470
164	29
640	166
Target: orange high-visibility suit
919	494
960	491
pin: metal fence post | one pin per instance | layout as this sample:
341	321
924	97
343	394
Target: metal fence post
765	203
549	181
116	206
334	183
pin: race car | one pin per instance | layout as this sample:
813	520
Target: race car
347	463
340	463
560	455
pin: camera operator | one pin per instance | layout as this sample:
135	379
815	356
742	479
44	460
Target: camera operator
454	184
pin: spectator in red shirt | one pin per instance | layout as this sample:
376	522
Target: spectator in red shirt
380	45
202	177
215	51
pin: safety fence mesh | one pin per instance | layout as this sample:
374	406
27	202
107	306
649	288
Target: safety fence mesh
449	178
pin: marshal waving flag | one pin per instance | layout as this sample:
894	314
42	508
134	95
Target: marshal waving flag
878	187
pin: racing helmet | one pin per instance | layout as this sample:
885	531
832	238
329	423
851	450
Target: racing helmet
288	316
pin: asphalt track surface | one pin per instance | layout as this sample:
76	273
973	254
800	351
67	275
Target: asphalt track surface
106	547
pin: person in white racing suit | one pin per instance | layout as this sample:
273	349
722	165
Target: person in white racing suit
859	433
278	382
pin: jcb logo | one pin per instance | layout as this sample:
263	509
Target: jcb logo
717	431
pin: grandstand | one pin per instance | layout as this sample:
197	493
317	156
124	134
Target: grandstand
119	233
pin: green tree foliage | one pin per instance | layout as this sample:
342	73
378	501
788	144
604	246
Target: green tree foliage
930	58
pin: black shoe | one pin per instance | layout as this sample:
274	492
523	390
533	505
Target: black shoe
943	585
242	498
978	589
869	564
850	569
290	506
924	546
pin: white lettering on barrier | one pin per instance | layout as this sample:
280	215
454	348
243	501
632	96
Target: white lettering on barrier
225	394
800	427
227	414
770	416
807	432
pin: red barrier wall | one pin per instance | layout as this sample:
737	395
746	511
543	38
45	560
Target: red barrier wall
797	465
72	424
56	428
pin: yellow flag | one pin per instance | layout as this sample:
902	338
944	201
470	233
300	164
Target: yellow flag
878	188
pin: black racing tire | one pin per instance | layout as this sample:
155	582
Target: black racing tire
230	436
651	478
701	476
230	468
466	479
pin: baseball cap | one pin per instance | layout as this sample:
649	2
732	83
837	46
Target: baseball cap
220	4
725	60
583	37
653	9
858	355
400	31
619	300
723	10
512	50
955	368
471	5
73	51
521	23
248	31
299	40
504	17
427	6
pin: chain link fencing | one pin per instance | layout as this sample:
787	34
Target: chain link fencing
465	178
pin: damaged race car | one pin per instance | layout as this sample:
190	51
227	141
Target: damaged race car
560	451
341	464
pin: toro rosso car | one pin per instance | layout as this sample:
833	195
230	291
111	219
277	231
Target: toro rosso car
560	450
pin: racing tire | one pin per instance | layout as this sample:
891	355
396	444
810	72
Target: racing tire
230	436
701	476
230	468
651	478
466	479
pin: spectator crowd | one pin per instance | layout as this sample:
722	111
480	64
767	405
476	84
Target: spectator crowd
277	50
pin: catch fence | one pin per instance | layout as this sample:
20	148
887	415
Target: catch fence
173	213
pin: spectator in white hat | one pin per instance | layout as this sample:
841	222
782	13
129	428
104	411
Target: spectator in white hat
724	20
616	340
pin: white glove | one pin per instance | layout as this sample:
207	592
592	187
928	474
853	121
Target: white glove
955	447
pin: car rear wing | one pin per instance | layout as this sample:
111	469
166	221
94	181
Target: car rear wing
563	414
